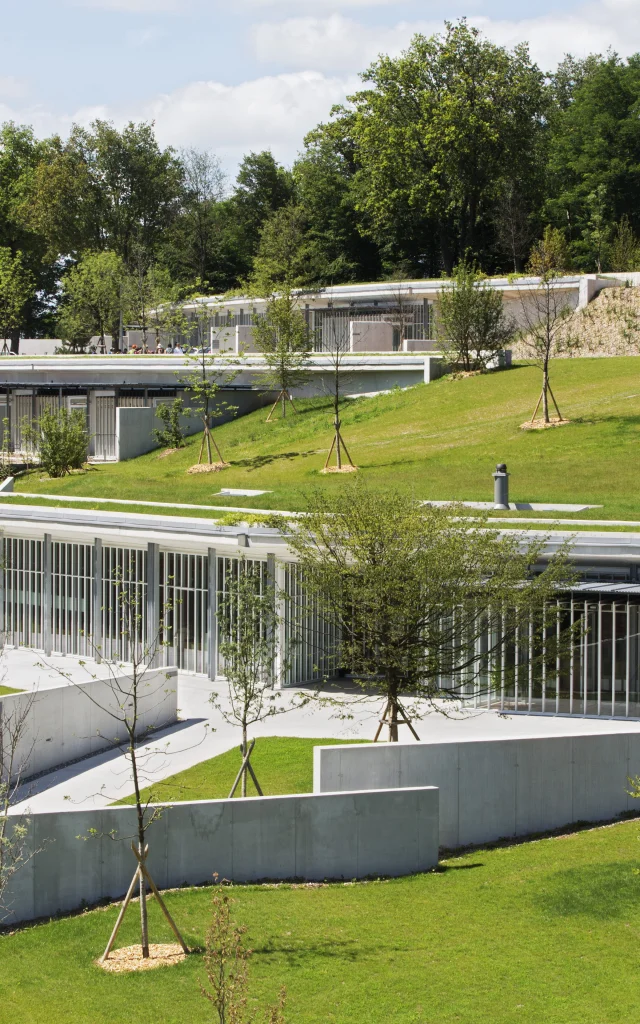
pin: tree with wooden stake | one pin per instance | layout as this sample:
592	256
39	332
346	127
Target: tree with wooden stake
544	311
211	372
134	695
426	603
282	336
335	349
249	628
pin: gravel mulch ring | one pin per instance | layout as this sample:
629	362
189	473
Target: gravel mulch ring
129	958
340	469
206	467
541	425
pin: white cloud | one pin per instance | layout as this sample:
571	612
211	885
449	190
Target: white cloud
12	88
340	44
273	112
333	43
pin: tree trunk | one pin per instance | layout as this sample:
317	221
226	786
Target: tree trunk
284	405
14	335
244	754
144	922
545	395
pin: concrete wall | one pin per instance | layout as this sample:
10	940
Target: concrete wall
342	835
370	336
135	426
490	789
70	721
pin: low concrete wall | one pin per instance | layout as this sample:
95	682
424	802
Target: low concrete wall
135	426
491	789
335	835
71	721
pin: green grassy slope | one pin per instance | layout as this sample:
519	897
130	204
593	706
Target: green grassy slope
542	932
283	764
437	441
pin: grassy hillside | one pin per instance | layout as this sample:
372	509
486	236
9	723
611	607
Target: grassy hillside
539	932
437	441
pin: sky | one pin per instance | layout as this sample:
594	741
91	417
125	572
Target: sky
233	76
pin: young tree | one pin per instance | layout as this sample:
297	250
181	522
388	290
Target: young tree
249	622
226	962
471	323
17	287
15	755
209	375
59	440
426	603
335	350
282	336
134	694
544	310
625	248
93	297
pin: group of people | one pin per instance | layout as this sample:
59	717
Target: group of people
144	350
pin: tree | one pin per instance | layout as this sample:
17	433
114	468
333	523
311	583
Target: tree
226	961
437	131
427	604
335	350
598	230
93	298
15	754
280	262
513	224
171	434
16	289
625	248
262	186
544	310
209	375
249	622
205	187
59	440
131	699
471	323
282	336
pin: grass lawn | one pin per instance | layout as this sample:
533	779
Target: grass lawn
4	690
438	441
283	764
545	932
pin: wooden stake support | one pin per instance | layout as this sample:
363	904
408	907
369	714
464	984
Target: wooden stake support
338	445
246	766
388	720
282	397
141	875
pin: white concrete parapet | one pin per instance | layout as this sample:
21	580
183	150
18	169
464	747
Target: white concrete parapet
73	720
311	837
492	789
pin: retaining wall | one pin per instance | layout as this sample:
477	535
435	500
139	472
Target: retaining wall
335	835
71	721
491	789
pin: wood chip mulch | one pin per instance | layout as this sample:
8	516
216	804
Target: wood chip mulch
541	425
129	958
208	467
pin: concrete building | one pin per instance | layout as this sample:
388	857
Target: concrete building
60	594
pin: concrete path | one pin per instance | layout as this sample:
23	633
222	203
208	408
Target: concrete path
100	780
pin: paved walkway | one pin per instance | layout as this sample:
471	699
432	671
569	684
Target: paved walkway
202	733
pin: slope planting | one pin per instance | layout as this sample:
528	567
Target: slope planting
438	441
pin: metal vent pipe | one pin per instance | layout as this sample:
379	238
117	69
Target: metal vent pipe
501	487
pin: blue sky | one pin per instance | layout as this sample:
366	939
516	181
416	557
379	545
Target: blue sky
248	74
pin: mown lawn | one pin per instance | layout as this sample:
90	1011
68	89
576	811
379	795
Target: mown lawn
8	689
283	764
545	932
438	441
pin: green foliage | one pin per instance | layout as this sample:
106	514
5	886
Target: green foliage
16	288
401	580
281	260
625	248
93	299
60	440
170	435
282	336
208	376
471	323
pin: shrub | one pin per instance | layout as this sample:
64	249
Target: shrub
60	440
170	435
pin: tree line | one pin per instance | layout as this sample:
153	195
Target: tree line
457	150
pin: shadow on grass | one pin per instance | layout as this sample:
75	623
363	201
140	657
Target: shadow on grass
602	891
329	949
258	461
